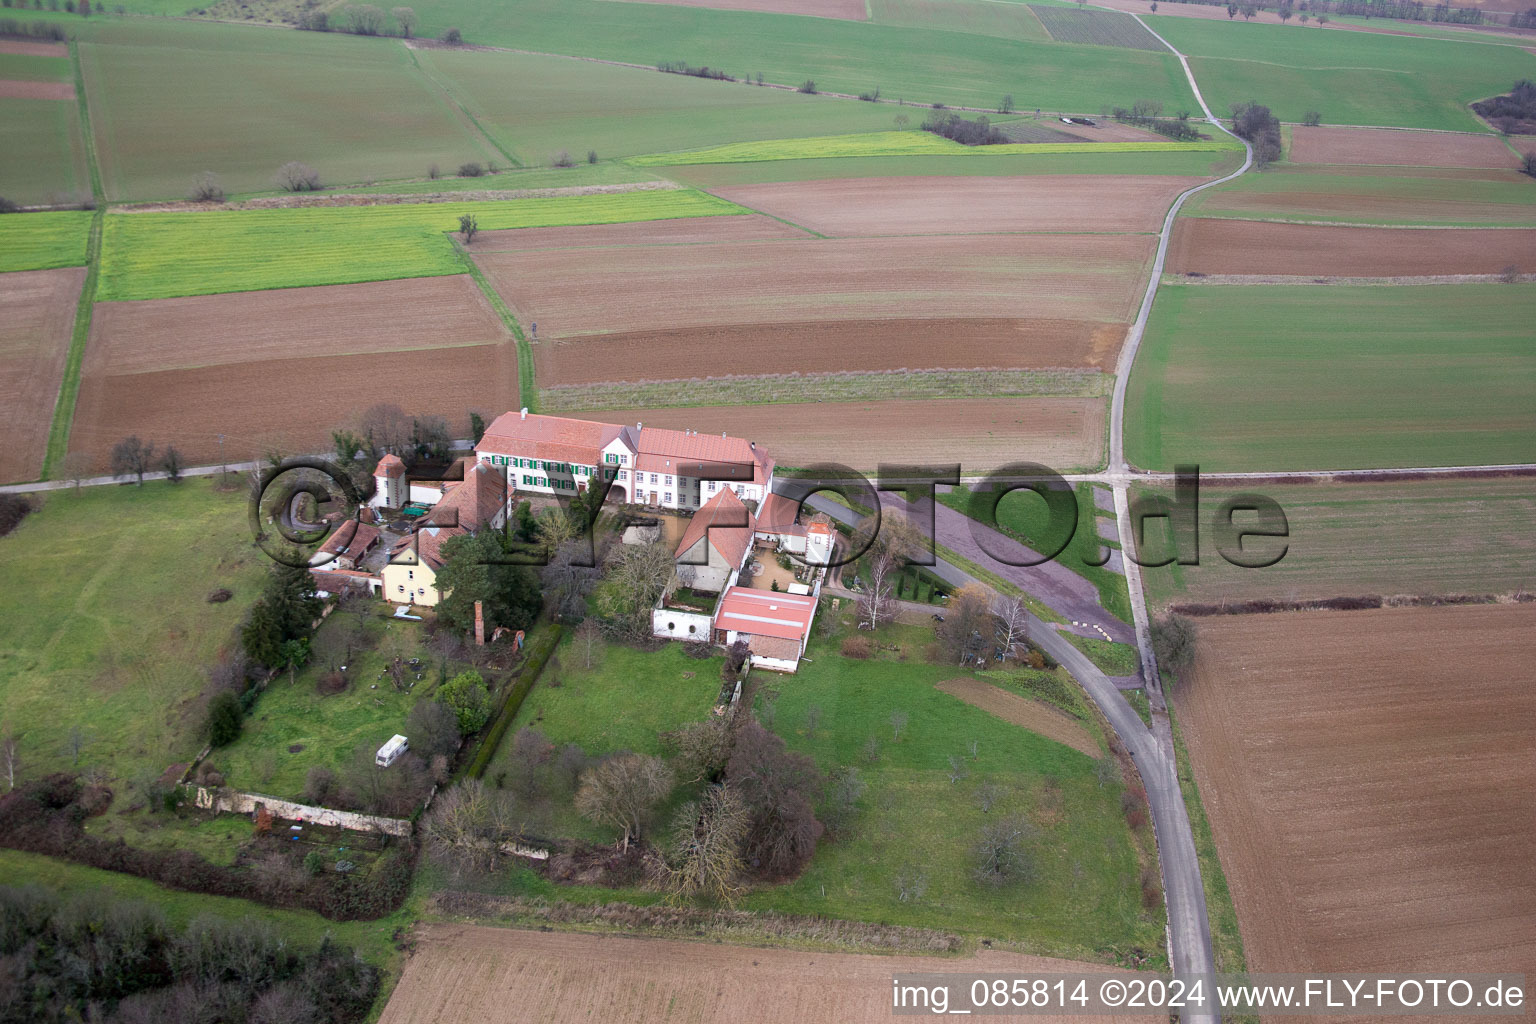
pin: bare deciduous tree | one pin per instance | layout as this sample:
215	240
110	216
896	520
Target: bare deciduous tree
405	17
700	749
968	628
706	846
1012	623
1002	854
898	723
642	571
467	825
131	456
911	884
386	427
10	756
877	601
294	176
623	791
206	189
588	642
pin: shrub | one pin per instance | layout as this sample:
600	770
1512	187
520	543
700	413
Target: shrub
966	132
470	170
314	863
13	509
562	159
808	86
298	177
433	172
9	205
1528	165
224	715
857	647
466	696
591	156
219	596
871	97
1260	128
1312	118
452	36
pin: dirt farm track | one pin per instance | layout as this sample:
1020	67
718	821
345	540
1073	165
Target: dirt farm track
1370	778
462	974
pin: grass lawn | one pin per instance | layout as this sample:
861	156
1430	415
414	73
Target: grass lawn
328	729
1027	518
42	241
107	626
605	172
214	837
1112	658
916	64
1349	77
43	158
159	255
1096	161
1085	901
911	142
536	106
1334	377
170	103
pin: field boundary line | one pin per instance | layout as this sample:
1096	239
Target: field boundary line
527	390
457	106
80	333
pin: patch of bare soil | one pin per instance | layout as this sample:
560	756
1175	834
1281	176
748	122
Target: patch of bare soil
289	404
464	973
1327	145
27	48
376	318
830	347
38	316
980	433
959	205
1223	246
1370	778
22	89
1049	722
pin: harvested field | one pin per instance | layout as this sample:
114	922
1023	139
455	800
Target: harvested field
1326	145
844	10
919	206
291	323
982	434
463	973
1324	204
1098	28
34	342
23	48
1030	714
1350	539
288	404
26	89
680	231
580	292
1370	817
832	346
1222	246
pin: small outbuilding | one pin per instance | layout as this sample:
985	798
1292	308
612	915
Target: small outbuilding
391	751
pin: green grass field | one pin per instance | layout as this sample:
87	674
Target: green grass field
27	68
1334	377
42	241
1502	198
1028	518
909	143
1112	658
158	255
1349	77
1183	164
535	106
108	629
1418	537
1084	902
186	98
328	729
606	172
918	64
42	159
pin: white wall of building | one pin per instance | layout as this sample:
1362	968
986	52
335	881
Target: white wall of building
672	624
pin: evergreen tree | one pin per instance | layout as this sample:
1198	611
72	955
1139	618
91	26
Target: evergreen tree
474	570
262	636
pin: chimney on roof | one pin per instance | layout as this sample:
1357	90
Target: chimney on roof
525	412
639	425
722	433
752	445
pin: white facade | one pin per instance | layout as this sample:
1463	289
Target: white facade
675	624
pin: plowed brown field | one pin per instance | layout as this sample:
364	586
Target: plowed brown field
980	433
1030	714
290	323
23	48
570	293
829	348
464	974
1220	246
1332	206
288	404
847	10
39	313
1371	782
1325	145
920	206
26	89
680	231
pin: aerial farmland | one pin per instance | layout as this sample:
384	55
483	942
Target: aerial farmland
383	644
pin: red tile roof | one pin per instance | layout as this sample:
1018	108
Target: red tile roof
352	540
428	542
690	453
777	516
727	522
554	438
389	465
474	502
765	613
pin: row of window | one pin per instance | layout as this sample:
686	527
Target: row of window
540	481
517	462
